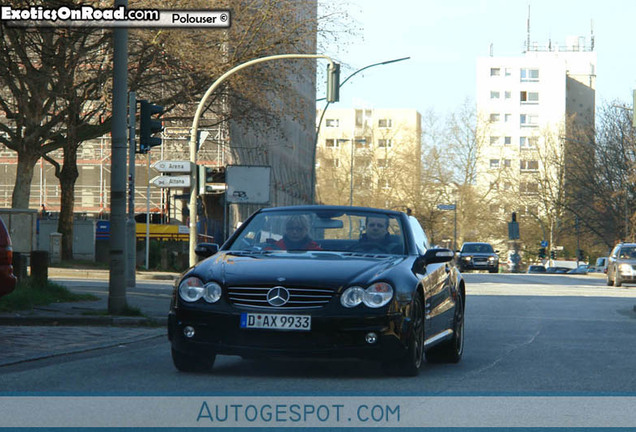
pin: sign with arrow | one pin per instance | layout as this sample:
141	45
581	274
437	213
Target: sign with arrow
172	166
446	206
182	181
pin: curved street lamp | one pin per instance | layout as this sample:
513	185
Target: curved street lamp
322	115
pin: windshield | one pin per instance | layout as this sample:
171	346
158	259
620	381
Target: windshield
477	248
322	230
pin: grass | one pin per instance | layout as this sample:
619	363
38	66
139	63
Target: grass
29	293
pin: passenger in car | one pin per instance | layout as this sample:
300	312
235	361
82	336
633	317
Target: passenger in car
296	235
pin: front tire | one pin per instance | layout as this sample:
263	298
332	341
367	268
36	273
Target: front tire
452	350
191	363
409	366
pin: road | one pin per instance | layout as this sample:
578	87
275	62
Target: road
525	334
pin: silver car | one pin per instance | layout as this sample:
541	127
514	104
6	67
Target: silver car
621	266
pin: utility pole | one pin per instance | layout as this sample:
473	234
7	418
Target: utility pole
117	274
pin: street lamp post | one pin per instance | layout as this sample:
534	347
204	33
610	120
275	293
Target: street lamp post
194	134
322	115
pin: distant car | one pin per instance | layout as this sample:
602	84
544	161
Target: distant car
582	269
332	293
601	265
478	256
621	264
560	270
7	278
536	269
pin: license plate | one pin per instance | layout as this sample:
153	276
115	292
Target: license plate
276	321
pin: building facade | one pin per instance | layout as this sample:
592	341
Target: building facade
368	157
530	108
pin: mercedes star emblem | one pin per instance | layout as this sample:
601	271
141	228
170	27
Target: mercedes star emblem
278	296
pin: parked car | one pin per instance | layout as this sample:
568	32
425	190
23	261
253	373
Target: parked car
601	265
333	294
582	269
557	269
536	269
7	278
621	264
478	256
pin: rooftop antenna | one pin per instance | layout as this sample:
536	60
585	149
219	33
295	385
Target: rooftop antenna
528	30
591	35
491	49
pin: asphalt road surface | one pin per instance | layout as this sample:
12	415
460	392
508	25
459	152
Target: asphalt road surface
525	334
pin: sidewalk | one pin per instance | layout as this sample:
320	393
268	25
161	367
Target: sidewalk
65	328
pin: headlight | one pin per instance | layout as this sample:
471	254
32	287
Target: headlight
466	258
375	296
492	258
192	289
625	268
212	292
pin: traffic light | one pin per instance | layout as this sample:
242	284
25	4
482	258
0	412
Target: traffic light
333	82
581	255
542	252
553	254
148	126
211	179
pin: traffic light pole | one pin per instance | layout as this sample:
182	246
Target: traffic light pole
195	126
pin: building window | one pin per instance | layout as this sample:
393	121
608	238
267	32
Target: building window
528	188
385	123
528	142
382	163
384	143
362	143
494	163
384	184
530	120
495	71
529	75
507	117
494	117
332	143
507	163
507	140
508	95
529	97
332	163
529	165
494	140
508	71
495	95
332	122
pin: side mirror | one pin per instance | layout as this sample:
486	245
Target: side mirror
433	256
204	250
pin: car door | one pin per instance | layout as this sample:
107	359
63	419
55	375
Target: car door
436	281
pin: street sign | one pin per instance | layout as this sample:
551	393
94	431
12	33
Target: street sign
172	166
446	206
182	181
544	243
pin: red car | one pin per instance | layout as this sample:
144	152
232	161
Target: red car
7	279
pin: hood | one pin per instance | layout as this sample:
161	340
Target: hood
325	269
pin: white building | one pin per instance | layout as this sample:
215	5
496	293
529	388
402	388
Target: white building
528	106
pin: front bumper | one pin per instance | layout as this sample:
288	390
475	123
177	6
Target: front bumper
478	265
330	336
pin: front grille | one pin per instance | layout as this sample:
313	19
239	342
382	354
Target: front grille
300	298
480	261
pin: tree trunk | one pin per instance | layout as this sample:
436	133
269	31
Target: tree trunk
68	176
23	179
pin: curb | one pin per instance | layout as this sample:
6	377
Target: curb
104	274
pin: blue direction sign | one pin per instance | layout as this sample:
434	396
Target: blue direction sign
544	243
446	206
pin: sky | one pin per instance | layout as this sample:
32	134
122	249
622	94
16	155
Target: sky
444	38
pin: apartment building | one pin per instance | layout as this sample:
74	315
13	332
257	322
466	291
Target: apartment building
530	107
368	157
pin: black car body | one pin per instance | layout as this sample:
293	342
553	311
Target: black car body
397	303
478	256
